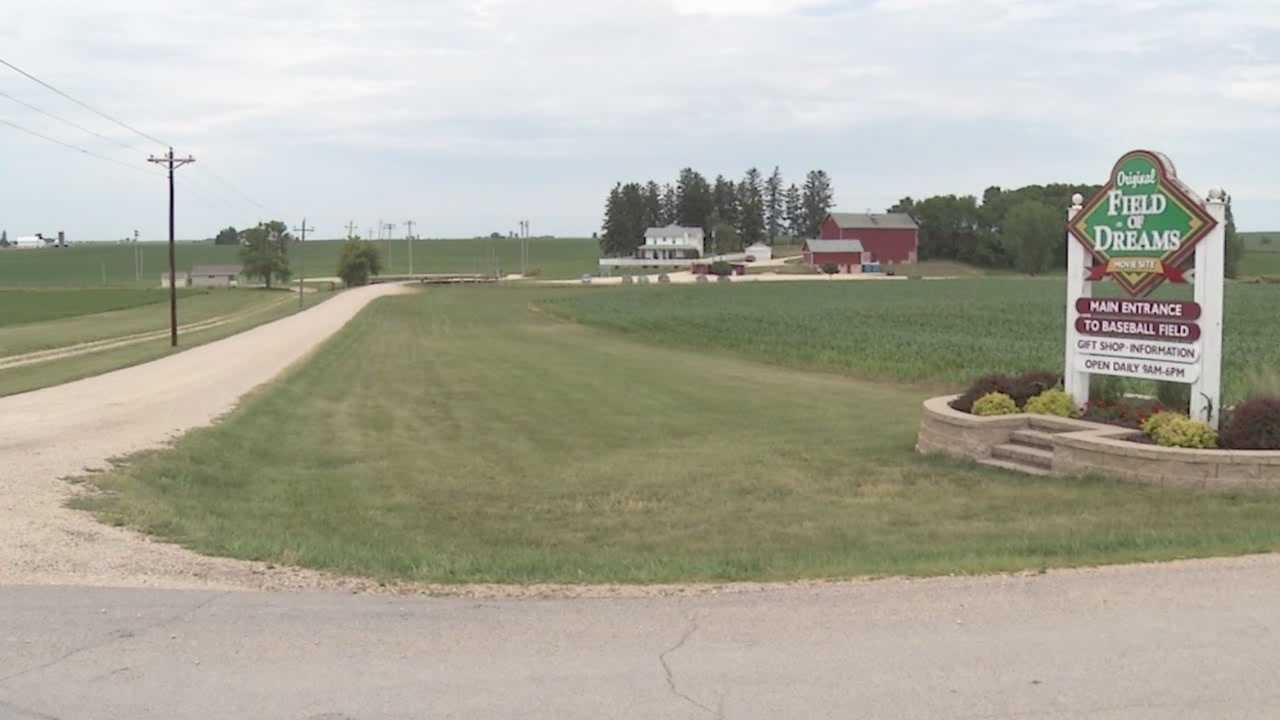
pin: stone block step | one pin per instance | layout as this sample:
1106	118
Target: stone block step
1033	438
1024	454
1014	467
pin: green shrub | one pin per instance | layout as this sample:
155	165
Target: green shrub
1180	431
1053	402
721	268
1153	424
830	268
995	404
1253	425
358	261
982	386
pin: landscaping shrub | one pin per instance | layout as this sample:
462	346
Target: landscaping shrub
1175	396
830	268
1253	425
1182	432
1153	424
982	386
664	278
995	404
1031	384
358	261
721	268
1053	402
1128	412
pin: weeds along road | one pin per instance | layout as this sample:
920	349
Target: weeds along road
66	430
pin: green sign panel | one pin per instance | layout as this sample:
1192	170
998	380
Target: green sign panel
1143	226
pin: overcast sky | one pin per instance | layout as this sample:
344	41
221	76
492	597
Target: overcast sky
468	115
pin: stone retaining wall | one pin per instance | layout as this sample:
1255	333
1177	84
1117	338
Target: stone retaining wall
1084	448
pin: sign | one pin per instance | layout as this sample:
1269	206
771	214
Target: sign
1138	308
1142	369
1140	349
1143	329
1143	226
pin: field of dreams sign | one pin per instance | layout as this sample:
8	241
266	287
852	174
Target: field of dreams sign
1144	228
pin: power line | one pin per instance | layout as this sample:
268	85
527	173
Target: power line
235	189
66	121
77	148
99	113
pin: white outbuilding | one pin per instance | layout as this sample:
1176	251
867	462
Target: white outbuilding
759	251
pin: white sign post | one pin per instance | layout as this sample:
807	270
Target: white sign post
1075	381
1142	229
1206	392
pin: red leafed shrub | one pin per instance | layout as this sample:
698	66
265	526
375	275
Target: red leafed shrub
1253	425
984	385
1029	385
1021	388
1130	413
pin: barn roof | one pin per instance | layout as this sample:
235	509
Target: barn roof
869	221
834	246
672	231
216	270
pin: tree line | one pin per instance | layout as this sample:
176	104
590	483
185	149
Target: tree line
733	215
1022	229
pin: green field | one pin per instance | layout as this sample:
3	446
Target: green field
1261	241
33	306
142	326
112	265
465	434
941	333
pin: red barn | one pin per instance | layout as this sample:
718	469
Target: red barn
885	238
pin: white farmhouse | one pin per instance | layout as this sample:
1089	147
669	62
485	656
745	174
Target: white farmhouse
673	242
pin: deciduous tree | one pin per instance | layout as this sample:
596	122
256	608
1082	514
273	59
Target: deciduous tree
264	251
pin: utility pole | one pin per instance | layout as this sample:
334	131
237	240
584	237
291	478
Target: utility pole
173	163
302	264
391	229
409	236
351	229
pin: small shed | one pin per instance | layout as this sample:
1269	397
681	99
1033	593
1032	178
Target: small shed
214	276
760	251
180	279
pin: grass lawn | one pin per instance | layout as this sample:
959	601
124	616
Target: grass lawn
248	307
31	306
944	332
466	435
111	264
1255	263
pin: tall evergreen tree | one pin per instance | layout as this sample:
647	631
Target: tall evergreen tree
751	210
611	231
652	205
694	203
670	204
725	200
817	201
794	209
775	219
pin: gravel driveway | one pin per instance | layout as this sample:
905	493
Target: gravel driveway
64	431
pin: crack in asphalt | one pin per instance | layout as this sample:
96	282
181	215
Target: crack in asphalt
671	679
114	637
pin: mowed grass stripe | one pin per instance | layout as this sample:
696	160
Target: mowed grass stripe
460	436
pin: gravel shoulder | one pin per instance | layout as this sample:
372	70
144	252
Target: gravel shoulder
68	430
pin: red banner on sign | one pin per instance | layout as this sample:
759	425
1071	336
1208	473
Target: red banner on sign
1146	329
1154	309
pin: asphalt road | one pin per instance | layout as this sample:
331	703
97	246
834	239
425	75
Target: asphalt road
1186	640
